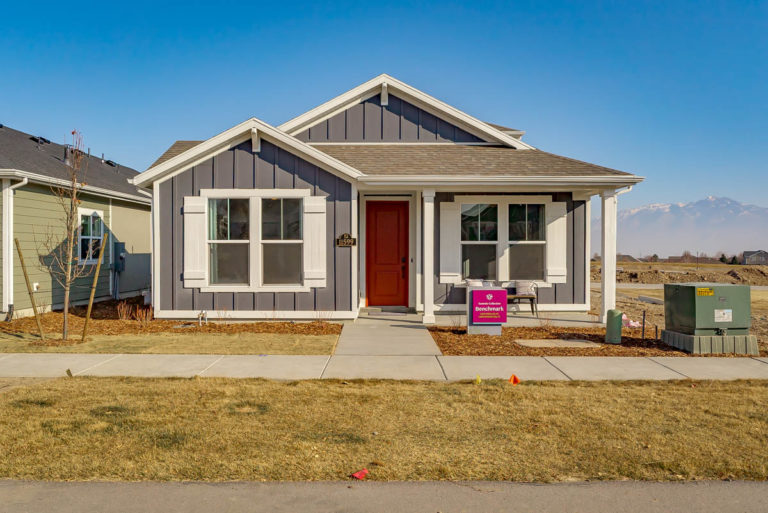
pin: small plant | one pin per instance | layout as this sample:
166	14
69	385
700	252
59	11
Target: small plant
124	311
143	315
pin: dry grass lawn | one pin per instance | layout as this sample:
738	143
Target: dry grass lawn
217	430
174	343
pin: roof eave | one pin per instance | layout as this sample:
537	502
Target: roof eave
549	181
57	182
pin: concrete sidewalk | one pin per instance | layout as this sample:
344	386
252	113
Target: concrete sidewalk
403	497
414	367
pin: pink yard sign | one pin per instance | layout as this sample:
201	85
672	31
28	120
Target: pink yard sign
489	306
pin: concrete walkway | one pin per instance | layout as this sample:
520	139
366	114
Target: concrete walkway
415	367
403	497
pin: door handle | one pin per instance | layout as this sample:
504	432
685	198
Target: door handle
402	271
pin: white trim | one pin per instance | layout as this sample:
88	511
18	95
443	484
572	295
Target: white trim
429	255
89	212
609	216
111	252
238	134
419	255
533	181
548	307
355	301
155	256
406	92
47	180
260	314
254	193
587	251
400	143
7	243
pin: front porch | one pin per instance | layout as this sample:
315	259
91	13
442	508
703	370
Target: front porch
423	270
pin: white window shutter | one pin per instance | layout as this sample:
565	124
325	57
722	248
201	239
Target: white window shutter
194	257
315	242
557	241
450	242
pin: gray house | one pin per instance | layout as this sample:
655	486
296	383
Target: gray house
31	169
759	257
382	196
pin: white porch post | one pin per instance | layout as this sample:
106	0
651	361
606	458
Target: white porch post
429	256
608	252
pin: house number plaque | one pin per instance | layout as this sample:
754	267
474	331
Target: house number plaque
345	240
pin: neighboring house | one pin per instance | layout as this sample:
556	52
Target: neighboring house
759	257
383	196
29	167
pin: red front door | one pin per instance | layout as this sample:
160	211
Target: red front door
386	253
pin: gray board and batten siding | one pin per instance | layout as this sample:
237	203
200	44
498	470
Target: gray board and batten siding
271	168
398	121
571	292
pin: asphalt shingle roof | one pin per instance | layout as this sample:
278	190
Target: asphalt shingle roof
20	152
459	159
444	159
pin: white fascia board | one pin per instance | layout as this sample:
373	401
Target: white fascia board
238	134
57	182
373	87
559	181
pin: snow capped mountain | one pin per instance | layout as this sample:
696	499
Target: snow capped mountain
709	226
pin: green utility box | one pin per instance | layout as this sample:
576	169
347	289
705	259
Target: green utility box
708	318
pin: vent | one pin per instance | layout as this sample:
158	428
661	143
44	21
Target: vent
111	163
40	139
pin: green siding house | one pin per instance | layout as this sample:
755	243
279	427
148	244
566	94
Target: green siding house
31	168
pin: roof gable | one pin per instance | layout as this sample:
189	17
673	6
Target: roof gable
396	121
384	87
185	154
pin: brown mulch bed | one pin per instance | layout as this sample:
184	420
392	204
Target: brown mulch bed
456	342
105	320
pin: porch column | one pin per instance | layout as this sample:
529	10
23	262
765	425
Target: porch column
608	252
429	255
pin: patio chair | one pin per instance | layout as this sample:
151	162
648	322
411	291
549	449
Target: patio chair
525	291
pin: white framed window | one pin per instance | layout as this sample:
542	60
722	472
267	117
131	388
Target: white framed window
527	241
281	241
254	240
503	238
90	235
228	241
479	237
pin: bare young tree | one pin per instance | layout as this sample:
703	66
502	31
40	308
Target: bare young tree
60	251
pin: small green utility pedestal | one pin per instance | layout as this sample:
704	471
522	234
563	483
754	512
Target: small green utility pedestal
613	327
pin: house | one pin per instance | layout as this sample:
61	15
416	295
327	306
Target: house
31	168
759	257
382	196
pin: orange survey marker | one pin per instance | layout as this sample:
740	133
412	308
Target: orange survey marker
514	379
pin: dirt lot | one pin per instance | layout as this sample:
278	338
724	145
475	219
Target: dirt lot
661	272
123	429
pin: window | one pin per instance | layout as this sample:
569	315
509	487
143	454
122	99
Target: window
479	233
281	241
527	242
91	233
228	241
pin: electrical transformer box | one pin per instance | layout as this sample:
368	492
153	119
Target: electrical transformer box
707	308
704	318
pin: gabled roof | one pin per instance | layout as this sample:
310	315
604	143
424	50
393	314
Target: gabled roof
184	154
40	160
389	84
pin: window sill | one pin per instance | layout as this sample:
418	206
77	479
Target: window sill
249	289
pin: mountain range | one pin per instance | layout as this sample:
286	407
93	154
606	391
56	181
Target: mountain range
710	226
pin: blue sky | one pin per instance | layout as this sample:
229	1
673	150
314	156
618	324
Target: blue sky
673	91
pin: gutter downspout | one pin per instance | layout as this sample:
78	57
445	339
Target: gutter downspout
7	244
